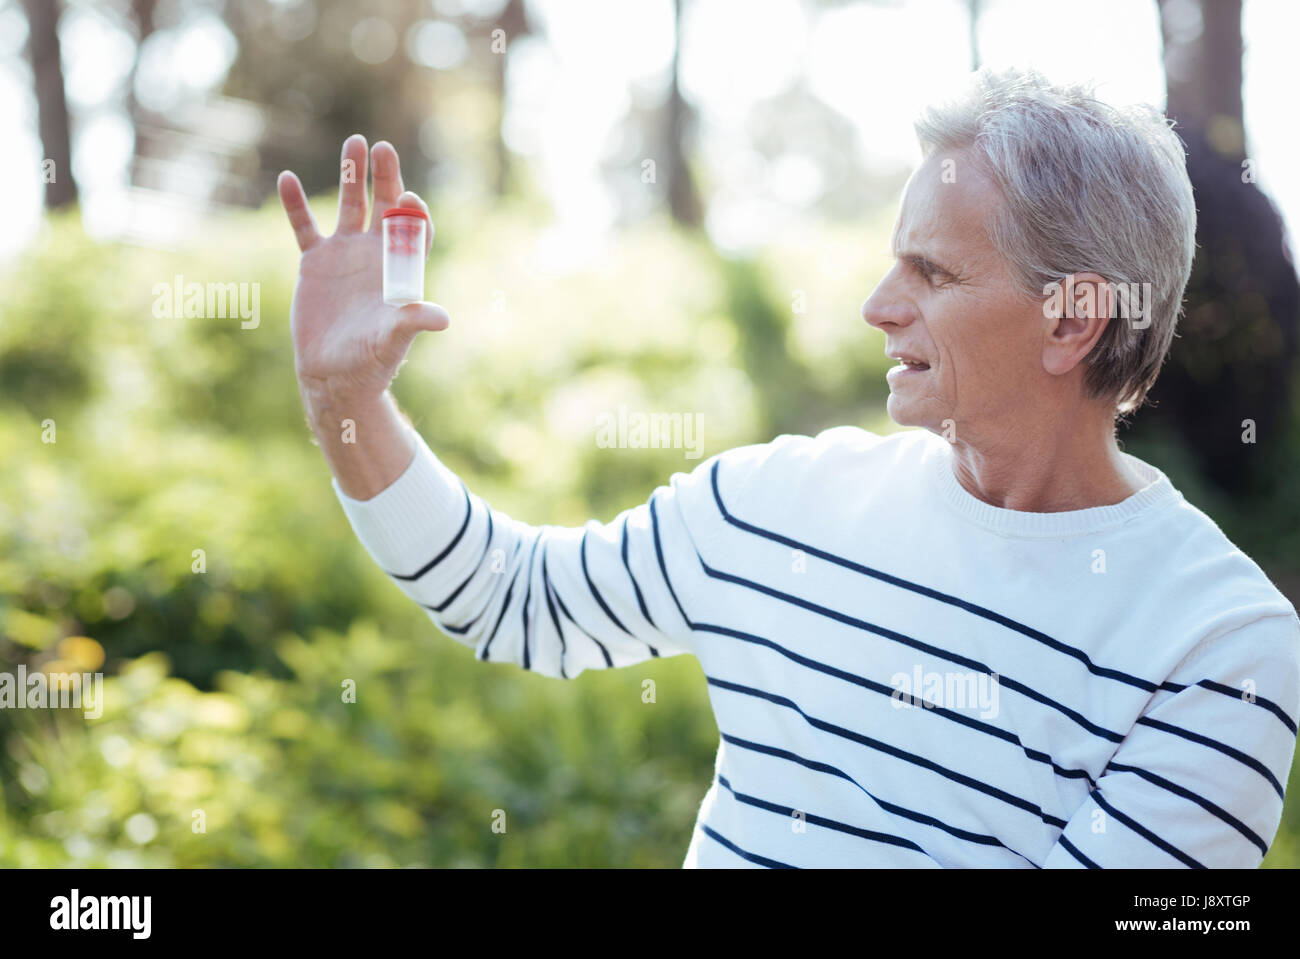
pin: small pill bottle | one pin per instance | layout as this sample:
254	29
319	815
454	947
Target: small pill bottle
407	234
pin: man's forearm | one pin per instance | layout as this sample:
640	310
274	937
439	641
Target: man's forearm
365	442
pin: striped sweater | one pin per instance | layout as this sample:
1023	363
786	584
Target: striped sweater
902	675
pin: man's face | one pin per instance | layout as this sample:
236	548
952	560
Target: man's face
949	303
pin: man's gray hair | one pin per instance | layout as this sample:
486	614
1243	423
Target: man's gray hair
1086	187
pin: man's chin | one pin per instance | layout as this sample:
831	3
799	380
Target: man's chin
903	412
906	412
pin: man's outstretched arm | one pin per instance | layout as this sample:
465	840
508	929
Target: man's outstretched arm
550	599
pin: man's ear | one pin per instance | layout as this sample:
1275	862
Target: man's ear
1075	313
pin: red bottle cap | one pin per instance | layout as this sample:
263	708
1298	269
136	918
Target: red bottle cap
407	211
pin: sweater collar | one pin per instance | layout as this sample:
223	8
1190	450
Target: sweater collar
1157	492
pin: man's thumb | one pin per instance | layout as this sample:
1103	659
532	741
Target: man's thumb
414	317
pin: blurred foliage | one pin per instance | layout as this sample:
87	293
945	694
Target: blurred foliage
223	688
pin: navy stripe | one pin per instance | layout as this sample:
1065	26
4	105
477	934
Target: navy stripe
1073	851
469	510
640	600
752	857
1145	833
966	661
528	578
505	607
1238	694
663	568
894	751
479	565
1201	801
550	605
582	552
894	808
460	630
970	721
871	834
1224	748
609	663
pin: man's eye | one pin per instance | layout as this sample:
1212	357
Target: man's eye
937	278
934	276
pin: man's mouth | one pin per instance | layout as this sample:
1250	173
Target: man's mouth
908	362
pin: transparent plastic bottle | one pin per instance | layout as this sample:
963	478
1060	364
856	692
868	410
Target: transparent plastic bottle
407	235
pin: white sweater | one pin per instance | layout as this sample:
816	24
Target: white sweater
902	674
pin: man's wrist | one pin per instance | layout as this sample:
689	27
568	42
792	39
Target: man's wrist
324	403
365	438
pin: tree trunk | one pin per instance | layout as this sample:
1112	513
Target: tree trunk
514	21
142	13
683	200
1229	369
51	103
1203	71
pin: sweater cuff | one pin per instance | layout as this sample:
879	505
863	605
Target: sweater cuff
423	507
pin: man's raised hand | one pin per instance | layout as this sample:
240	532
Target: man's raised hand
347	342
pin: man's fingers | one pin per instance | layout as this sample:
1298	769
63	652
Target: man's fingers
294	201
387	174
352	185
412	200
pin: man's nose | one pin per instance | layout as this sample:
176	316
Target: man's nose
886	306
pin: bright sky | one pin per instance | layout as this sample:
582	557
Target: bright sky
876	63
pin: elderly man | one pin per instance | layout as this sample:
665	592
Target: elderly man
996	640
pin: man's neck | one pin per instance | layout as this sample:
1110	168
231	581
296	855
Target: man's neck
1047	469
